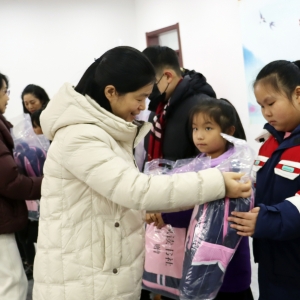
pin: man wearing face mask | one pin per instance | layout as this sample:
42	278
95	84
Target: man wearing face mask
175	93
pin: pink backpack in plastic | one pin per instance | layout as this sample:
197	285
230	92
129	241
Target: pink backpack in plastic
30	161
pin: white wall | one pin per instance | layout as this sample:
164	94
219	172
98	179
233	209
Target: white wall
211	44
53	41
50	42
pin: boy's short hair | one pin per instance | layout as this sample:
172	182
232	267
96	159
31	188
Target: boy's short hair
163	57
35	118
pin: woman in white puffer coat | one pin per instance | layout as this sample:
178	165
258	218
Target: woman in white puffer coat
91	233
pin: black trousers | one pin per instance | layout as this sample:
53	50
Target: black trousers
26	239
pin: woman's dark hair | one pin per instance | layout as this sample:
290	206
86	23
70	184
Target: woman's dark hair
3	78
283	76
222	112
126	68
37	92
35	118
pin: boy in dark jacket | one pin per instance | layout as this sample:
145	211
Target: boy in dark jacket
14	188
174	96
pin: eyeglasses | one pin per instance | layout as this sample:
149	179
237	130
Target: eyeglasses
7	92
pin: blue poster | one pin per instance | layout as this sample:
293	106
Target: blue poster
270	31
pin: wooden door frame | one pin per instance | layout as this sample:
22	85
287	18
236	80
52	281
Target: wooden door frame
152	39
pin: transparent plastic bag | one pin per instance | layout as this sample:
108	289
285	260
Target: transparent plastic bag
30	155
23	132
163	261
169	167
241	161
211	242
158	167
165	247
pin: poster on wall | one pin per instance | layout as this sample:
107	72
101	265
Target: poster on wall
270	31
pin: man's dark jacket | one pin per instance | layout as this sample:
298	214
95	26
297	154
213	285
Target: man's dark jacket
177	137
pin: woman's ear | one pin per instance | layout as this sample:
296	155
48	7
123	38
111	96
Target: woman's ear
297	93
110	93
231	130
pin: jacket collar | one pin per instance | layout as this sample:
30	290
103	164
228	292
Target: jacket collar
292	140
193	83
68	107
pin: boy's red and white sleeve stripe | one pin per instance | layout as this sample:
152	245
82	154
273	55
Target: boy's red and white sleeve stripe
295	200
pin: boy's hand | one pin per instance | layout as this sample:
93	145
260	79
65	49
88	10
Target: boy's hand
245	222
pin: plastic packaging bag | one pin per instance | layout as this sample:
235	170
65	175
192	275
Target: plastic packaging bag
30	155
164	166
164	257
241	161
211	242
165	247
23	132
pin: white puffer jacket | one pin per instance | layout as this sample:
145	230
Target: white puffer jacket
91	231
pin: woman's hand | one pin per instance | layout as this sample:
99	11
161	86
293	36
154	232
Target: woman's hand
235	189
244	222
156	219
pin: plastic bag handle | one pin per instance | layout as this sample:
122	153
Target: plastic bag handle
226	211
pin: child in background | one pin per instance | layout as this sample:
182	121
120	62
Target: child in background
275	222
209	119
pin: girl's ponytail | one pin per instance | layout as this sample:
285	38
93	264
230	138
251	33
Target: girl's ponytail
239	129
88	86
222	112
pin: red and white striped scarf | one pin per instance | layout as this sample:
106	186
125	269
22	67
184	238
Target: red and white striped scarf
157	131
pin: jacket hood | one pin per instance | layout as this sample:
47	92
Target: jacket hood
193	83
68	107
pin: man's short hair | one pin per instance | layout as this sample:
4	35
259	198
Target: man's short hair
163	57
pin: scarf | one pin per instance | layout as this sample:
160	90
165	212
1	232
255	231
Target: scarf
157	131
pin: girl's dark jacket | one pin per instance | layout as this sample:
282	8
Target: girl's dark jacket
276	240
14	187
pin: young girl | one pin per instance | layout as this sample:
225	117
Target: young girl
209	119
275	222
